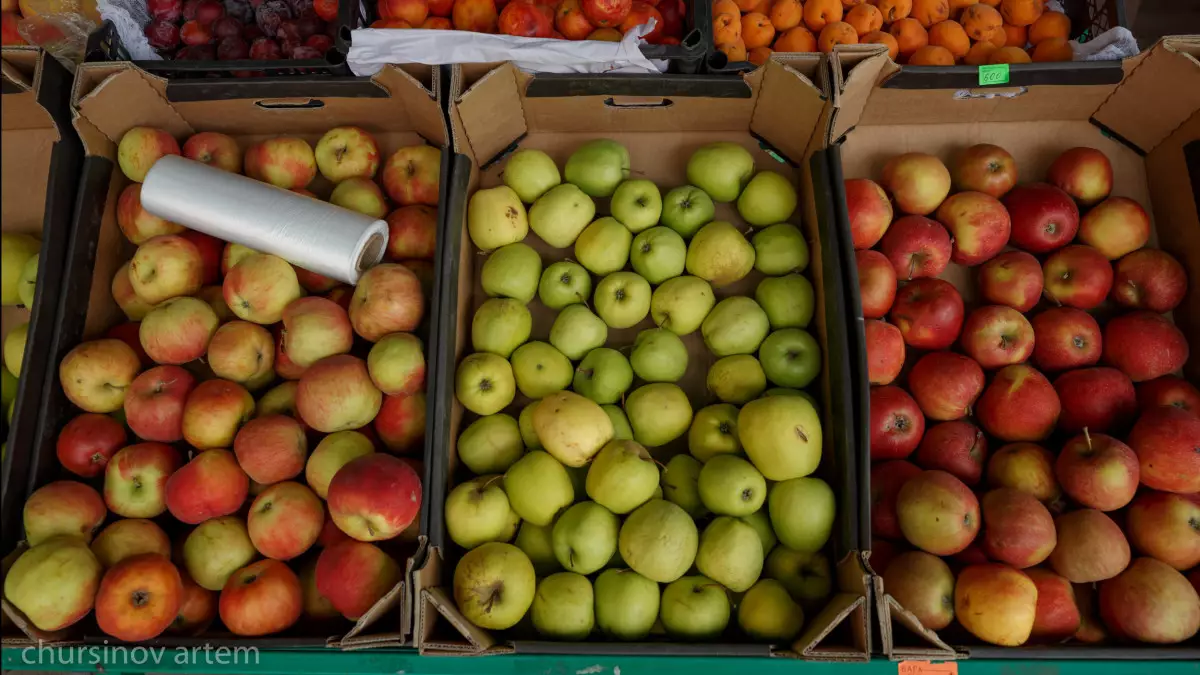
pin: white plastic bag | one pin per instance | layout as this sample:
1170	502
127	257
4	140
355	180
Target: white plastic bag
130	17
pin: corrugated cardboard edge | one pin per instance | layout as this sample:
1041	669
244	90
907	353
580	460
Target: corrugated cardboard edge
16	64
851	604
855	70
1127	111
434	602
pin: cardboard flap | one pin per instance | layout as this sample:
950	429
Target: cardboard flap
487	116
849	606
434	603
789	102
478	640
392	600
1159	95
890	611
856	69
21	111
112	99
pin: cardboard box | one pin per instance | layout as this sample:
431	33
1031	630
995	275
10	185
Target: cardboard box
1147	124
778	113
399	107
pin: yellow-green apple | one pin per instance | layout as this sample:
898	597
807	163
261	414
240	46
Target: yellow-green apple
165	267
979	225
1065	338
317	607
958	448
136	223
917	247
412	233
331	454
1144	345
259	287
1027	467
140	148
347	152
155	401
1013	279
87	442
924	585
1166	526
214	149
210	486
313	282
135	479
410	175
361	195
1017	529
241	352
233	254
18	250
375	497
1091	547
271	448
897	423
937	513
1169	390
386	300
261	598
945	385
1043	217
1150	602
63	507
129	537
396	364
1058	616
996	603
284	366
197	608
95	375
214	411
216	549
1099	399
285	520
178	330
886	480
1077	276
134	307
1084	173
139	597
337	394
216	299
876	283
354	575
1149	279
1019	404
401	423
285	161
1165	442
313	328
210	249
868	210
1098	471
985	168
917	181
997	336
885	351
929	313
63	564
280	400
1115	227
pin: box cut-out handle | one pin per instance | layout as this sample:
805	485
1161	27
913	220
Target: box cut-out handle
290	104
637	102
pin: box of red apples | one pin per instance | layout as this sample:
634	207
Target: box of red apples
1027	262
232	447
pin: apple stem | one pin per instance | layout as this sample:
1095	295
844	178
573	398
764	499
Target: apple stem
912	266
488	482
803	436
1088	438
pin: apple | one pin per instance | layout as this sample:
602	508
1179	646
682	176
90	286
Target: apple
360	194
355	575
997	336
136	223
135	479
658	254
63	507
603	248
396	364
1100	399
331	454
178	330
622	299
876	283
337	394
165	267
896	423
233	254
958	448
790	357
139	598
1098	471
720	169
1144	345
284	366
216	300
259	287
134	307
1065	338
945	385
868	210
284	161
1058	616
1077	276
374	497
64	564
214	149
719	254
996	603
1019	404
314	328
885	351
347	152
1149	279
1162	526
979	225
937	513
1017	528
917	247
923	585
271	448
917	181
1044	217
401	423
197	609
216	549
211	249
1115	227
637	204
155	401
211	485
686	208
411	175
260	599
496	217
95	375
129	537
530	173
494	585
1084	173
242	352
412	233
1169	390
285	520
484	383
1151	602
1165	442
386	300
87	442
887	478
1013	278
140	148
985	168
1090	547
681	304
1024	466
768	198
929	313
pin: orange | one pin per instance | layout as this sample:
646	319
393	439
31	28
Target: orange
1009	55
763	7
847	4
990	3
956	5
1015	36
979	21
726	7
727	28
931	55
1021	12
746	6
1053	49
910	36
734	51
836	33
979	53
1000	38
786	14
929	12
1050	25
881	38
894	10
865	19
798	39
950	34
757	30
817	13
759	55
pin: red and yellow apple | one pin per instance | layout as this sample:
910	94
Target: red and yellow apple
1091	547
210	486
155	401
285	520
139	598
375	497
260	599
213	413
355	575
63	507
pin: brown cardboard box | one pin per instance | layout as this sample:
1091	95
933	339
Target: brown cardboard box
777	113
1148	124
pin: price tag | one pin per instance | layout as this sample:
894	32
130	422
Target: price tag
993	74
927	668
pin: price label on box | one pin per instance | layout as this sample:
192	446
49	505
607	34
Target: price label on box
993	74
927	668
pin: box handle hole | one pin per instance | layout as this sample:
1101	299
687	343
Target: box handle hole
290	104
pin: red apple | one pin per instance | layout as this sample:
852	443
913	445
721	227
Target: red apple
1151	602
1164	526
885	351
1084	173
979	225
313	282
985	168
1077	276
330	534
876	283
896	423
261	598
197	609
882	553
929	313
412	231
213	413
958	448
214	149
139	597
1064	338
411	174
210	486
945	385
285	520
1013	279
1058	616
923	585
211	249
997	336
1017	528
1020	404
886	480
1149	279
136	223
336	394
87	442
971	555
1144	345
355	575
1098	471
271	448
523	18
374	497
1090	547
918	182
1169	390
1098	399
917	247
606	13
1165	442
387	299
1024	466
1115	226
938	513
135	479
155	401
1043	217
868	210
1091	629
570	21
401	423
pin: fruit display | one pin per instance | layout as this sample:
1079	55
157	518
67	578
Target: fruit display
232	30
1035	477
248	446
638	450
18	286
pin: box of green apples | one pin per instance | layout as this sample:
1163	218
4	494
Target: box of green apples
643	431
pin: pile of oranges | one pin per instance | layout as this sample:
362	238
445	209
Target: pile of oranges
916	32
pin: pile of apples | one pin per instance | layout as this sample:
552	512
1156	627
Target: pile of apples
630	514
10	14
605	20
1076	453
189	501
18	286
228	30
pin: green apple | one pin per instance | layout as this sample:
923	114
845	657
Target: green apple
484	383
737	325
731	486
512	271
768	198
14	348
714	432
500	325
802	512
807	577
598	167
494	585
577	331
626	604
603	246
736	379
659	356
730	554
585	537
525	425
621	428
538	487
540	369
659	541
695	608
622	299
8	387
760	520
720	254
787	300
478	512
781	435
15	251
572	428
680	304
496	217
767	613
780	249
490	444
537	542
27	284
637	204
784	391
790	357
680	484
659	413
721	169
564	283
564	607
561	214
622	476
686	209
658	254
530	173
603	376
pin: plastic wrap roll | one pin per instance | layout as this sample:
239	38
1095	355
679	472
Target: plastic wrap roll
309	233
